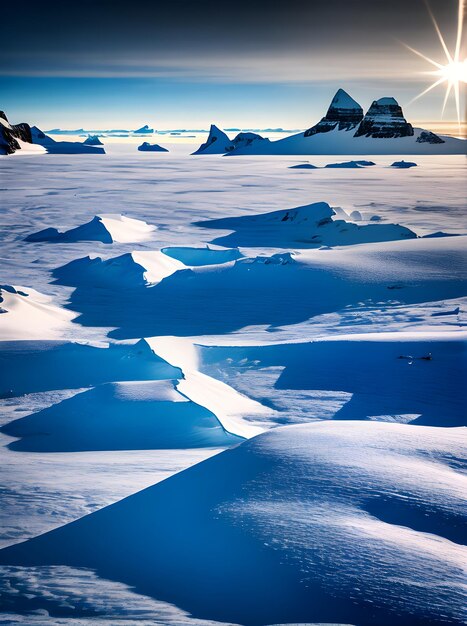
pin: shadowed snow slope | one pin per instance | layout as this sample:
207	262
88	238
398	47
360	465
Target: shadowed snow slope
138	268
329	522
27	314
120	416
106	228
403	376
280	289
32	366
133	269
304	226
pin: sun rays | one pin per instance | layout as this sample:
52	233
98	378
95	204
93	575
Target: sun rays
454	72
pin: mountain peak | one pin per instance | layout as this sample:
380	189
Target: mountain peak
384	119
342	100
344	113
217	142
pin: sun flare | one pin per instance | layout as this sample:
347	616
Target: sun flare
454	73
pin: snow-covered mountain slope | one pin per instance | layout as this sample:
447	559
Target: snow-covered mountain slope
344	113
27	314
329	522
121	416
307	226
107	228
383	130
15	137
385	120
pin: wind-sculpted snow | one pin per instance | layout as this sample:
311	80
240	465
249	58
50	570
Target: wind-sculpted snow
120	416
329	522
27	314
307	226
397	377
279	289
34	366
107	228
130	270
138	268
209	255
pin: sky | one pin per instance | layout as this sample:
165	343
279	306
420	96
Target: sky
243	63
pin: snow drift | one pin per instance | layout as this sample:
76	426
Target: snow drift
27	314
138	268
280	289
311	225
329	522
120	416
106	228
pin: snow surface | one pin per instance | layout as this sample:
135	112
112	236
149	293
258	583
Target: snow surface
120	416
342	100
28	314
351	512
354	522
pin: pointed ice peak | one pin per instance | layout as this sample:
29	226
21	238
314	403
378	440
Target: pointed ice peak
217	143
342	100
215	130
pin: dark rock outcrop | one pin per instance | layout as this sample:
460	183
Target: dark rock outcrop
344	113
10	133
426	136
384	119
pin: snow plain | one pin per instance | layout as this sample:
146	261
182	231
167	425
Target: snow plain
349	513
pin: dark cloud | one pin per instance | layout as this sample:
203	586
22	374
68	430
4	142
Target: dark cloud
77	30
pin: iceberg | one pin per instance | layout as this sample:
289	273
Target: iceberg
151	147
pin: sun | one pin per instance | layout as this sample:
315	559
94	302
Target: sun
454	72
